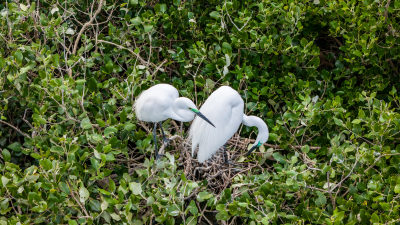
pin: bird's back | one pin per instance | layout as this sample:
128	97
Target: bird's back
153	102
224	107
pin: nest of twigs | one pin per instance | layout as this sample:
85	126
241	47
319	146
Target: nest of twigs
218	173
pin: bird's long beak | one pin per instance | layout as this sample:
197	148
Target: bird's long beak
198	113
252	148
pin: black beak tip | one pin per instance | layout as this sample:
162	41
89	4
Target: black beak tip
251	150
205	118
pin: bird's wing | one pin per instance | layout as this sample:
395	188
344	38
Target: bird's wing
226	117
153	102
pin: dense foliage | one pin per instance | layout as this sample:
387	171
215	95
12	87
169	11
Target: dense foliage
322	74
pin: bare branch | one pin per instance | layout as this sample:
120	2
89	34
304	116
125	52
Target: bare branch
144	62
79	203
15	128
86	25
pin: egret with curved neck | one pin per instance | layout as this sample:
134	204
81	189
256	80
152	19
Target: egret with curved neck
225	108
161	102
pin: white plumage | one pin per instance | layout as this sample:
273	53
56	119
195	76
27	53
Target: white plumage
225	108
155	104
161	102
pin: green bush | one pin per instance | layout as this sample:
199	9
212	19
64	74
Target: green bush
322	74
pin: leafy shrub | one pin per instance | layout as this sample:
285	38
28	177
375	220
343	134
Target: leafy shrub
322	74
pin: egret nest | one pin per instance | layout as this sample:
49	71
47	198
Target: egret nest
216	171
218	174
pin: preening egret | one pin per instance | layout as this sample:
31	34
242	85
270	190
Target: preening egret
225	108
161	102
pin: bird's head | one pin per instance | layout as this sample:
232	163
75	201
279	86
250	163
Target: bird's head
189	109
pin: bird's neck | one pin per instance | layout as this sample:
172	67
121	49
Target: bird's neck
254	121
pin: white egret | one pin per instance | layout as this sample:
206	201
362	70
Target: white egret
161	102
225	108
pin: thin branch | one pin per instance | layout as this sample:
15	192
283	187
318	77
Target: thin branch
345	178
15	128
144	62
385	14
249	140
229	16
376	160
86	25
79	203
159	68
164	145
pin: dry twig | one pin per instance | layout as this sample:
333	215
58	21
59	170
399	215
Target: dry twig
15	128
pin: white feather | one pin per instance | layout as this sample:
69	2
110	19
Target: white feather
155	104
161	102
224	107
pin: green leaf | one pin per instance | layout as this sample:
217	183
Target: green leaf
215	14
38	119
173	210
148	28
86	124
193	208
46	164
6	155
72	222
92	84
150	200
321	200
16	146
41	207
23	7
337	121
104	205
191	220
80	81
305	148
26	69
32	178
226	48
57	149
70	31
356	121
222	215
115	216
129	126
136	21
94	205
397	189
4	181
36	156
18	56
100	122
278	157
83	194
397	4
163	8
110	130
204	195
338	215
136	188
104	192
64	187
